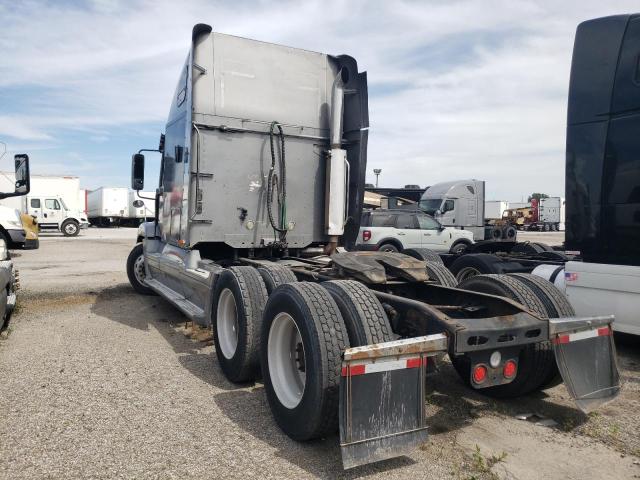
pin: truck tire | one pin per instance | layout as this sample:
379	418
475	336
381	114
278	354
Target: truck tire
536	362
509	233
423	254
363	315
543	246
238	302
275	275
303	337
459	247
441	275
468	266
557	306
136	272
5	314
388	247
70	228
527	248
554	256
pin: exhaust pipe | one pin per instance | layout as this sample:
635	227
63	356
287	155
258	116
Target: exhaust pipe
337	107
336	187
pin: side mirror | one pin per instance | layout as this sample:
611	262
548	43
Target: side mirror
138	203
23	182
437	212
137	171
161	143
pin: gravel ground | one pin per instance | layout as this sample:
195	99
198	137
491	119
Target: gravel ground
99	382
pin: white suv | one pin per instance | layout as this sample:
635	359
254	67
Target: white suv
397	230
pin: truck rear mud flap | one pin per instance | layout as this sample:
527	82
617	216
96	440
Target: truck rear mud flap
586	357
382	398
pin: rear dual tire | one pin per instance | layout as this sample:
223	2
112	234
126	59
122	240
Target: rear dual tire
303	337
306	328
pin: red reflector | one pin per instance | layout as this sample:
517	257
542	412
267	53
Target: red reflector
604	331
509	369
479	374
561	339
354	370
366	235
415	362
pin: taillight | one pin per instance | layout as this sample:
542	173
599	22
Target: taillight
510	368
366	235
479	374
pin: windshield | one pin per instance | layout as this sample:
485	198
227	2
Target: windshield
64	205
430	205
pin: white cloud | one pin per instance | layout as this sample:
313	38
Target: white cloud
471	88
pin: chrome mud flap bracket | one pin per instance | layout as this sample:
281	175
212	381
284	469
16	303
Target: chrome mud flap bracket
586	357
382	398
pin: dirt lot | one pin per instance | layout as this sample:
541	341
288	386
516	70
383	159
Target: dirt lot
99	382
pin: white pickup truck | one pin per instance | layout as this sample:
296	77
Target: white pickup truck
398	230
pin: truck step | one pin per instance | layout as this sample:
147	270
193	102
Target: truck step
189	309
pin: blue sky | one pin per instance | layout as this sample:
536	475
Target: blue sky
457	89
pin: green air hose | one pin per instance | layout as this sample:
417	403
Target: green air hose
273	184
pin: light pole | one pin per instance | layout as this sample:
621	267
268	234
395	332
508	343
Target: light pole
377	172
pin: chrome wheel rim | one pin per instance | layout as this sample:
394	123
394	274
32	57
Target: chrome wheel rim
287	368
70	228
138	269
227	323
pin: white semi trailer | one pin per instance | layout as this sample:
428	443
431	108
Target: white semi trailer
494	209
107	206
260	199
144	207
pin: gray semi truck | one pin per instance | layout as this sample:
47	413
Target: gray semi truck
258	207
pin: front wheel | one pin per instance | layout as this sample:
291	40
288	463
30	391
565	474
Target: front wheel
459	248
136	271
70	228
238	303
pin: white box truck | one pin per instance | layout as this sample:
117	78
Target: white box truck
53	200
66	187
107	206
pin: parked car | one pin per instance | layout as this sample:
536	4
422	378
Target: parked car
397	230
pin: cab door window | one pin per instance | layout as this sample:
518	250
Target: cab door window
427	223
52	204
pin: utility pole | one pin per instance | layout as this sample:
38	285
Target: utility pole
377	172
